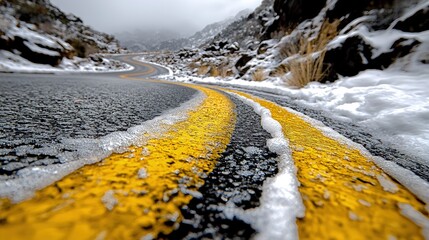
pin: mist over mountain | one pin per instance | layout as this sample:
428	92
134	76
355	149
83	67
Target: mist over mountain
156	39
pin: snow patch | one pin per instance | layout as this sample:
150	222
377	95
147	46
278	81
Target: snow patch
418	218
109	200
10	62
142	173
392	103
252	150
387	185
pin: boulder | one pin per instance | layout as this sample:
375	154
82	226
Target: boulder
400	48
291	13
355	55
349	10
232	48
96	58
348	59
263	47
240	65
36	53
418	22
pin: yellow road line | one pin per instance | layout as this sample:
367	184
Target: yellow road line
341	189
150	70
130	195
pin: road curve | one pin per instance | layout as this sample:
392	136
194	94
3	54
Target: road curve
216	170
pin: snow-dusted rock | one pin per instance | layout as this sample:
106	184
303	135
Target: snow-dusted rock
35	35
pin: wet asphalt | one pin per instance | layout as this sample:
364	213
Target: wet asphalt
42	110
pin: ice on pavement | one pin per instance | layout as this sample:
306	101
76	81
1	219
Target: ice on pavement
142	173
89	151
109	200
252	150
281	202
421	220
387	185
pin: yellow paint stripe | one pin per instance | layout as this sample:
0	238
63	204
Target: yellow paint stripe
76	207
340	189
150	69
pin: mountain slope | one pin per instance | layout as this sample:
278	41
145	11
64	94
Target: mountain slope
167	40
37	33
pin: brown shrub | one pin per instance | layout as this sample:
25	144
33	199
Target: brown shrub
280	70
203	70
259	75
214	71
310	53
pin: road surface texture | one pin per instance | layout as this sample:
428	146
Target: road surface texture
126	156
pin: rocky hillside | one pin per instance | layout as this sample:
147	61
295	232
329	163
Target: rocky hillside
36	32
140	41
298	41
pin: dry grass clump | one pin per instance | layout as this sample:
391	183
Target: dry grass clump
305	70
203	70
259	75
220	71
193	65
280	70
214	71
310	53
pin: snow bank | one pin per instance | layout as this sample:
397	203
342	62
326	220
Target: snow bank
10	62
89	151
394	104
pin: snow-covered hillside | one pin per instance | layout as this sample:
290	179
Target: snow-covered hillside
37	36
140	41
364	62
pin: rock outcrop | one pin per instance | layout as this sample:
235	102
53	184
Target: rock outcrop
40	33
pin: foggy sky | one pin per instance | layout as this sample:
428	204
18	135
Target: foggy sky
186	16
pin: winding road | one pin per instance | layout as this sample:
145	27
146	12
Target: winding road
126	156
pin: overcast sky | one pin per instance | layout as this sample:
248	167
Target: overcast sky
114	16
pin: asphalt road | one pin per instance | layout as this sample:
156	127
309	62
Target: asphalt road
39	110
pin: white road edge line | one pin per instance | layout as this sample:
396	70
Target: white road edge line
141	59
281	203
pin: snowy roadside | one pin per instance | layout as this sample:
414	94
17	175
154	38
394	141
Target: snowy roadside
10	62
392	104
